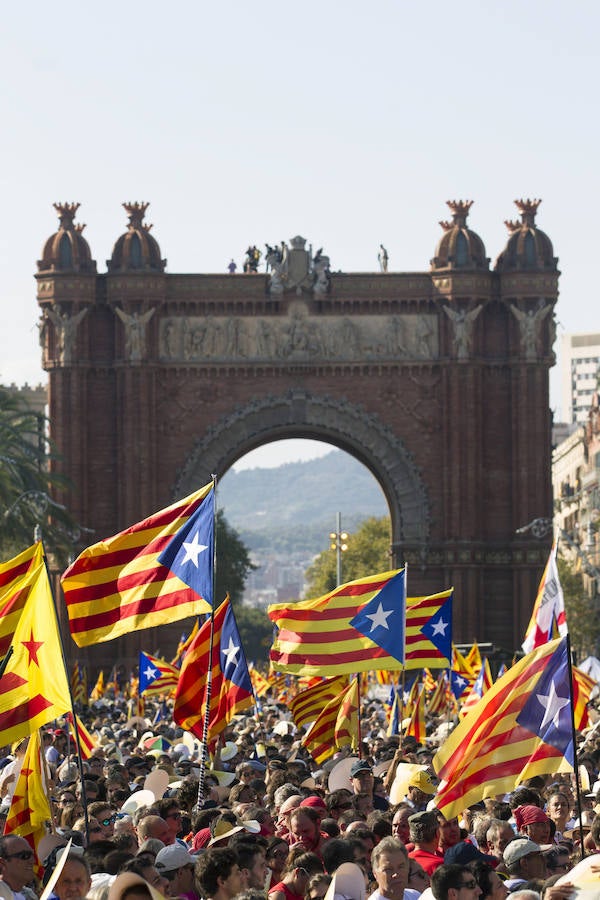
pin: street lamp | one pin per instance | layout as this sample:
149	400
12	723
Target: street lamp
338	540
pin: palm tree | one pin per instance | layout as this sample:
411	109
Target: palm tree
27	483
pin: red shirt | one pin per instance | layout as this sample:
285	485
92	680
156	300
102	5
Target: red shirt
429	861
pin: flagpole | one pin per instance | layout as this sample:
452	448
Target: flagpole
208	691
359	735
574	739
77	741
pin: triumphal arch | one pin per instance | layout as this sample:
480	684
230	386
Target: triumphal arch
436	380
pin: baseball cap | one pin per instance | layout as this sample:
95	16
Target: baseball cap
464	853
519	848
361	765
174	856
423	782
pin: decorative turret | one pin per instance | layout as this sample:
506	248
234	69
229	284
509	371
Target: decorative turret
136	250
67	250
459	247
527	246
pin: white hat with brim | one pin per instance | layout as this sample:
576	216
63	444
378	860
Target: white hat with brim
252	827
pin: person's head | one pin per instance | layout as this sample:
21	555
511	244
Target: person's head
533	822
557	808
454	882
145	866
171	813
418	879
217	873
361	777
424	829
252	863
524	859
400	826
276	855
558	860
498	835
153	827
245	772
337	802
420	789
524	796
304	827
449	831
74	880
16	861
317	887
389	862
176	865
492	886
105	816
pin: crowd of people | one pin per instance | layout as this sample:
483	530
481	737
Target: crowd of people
130	823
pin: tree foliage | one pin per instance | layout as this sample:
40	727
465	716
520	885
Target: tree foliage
256	632
28	484
368	553
581	611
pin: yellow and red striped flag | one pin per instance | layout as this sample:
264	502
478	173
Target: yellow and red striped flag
184	644
29	809
416	726
260	684
442	698
337	722
12	593
86	742
473	659
310	703
79	685
428	680
98	689
481	686
34	688
583	686
519	729
231	685
120	584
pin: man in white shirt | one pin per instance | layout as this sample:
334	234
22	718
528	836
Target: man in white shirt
16	866
389	861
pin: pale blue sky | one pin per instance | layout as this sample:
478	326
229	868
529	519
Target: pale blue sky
349	123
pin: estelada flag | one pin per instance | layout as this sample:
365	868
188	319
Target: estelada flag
336	726
34	688
520	728
357	627
156	675
231	686
29	809
12	592
156	572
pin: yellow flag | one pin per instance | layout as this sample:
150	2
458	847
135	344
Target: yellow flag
29	809
34	688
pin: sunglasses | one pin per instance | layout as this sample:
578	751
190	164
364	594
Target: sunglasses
469	885
22	854
106	822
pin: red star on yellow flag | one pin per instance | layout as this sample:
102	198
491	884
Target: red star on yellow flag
32	646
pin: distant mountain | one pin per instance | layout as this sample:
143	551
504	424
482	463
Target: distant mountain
292	508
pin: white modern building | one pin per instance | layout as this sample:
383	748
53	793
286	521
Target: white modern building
579	363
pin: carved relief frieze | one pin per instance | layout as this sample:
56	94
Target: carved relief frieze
298	336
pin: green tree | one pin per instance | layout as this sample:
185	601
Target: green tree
368	553
581	611
28	482
233	562
256	632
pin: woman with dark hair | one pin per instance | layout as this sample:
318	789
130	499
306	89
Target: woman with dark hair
489	881
276	855
557	808
299	869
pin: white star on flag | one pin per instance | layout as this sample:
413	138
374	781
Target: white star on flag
379	617
193	549
230	653
460	681
149	672
552	704
439	627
